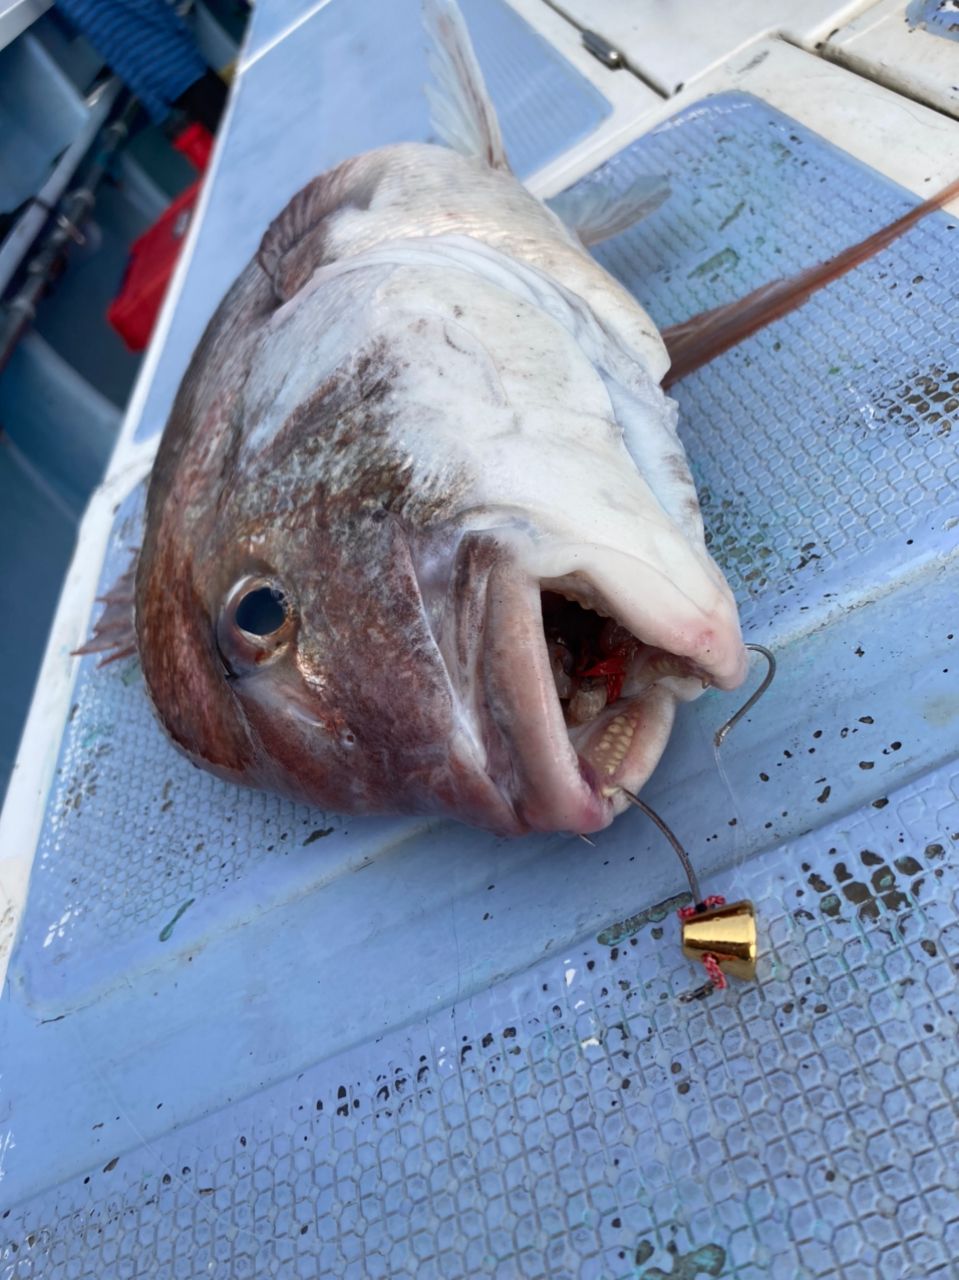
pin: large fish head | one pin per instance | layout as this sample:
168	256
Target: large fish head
421	571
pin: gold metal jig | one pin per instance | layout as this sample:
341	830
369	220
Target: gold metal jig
728	933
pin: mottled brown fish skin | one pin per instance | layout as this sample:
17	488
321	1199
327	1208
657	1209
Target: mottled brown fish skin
328	511
182	668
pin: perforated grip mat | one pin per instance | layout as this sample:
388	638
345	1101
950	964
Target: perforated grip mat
243	1038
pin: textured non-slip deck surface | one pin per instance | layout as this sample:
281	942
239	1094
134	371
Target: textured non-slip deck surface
579	1120
248	1039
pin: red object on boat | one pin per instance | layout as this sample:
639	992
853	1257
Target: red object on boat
154	255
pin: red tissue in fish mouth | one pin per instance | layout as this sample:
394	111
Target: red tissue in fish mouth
592	655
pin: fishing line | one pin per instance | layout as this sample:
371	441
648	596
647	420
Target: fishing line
699	905
680	852
734	926
719	737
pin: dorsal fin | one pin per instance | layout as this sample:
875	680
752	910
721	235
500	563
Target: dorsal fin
294	244
307	208
703	337
460	108
596	213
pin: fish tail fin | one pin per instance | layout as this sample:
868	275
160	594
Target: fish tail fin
703	337
114	632
460	108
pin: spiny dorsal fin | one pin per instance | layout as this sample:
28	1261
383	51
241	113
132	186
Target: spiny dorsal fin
596	213
304	212
295	241
705	336
460	107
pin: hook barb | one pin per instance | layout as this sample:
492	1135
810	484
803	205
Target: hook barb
750	702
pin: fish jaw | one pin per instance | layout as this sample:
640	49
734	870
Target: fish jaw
559	776
552	790
345	765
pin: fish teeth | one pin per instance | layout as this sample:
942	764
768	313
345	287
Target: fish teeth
584	601
610	752
588	701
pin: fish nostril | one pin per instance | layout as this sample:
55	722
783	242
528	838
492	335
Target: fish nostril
261	611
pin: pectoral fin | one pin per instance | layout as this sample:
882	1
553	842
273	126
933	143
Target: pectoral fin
596	213
114	632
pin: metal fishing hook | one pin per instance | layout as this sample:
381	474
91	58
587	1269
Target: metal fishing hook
681	853
721	733
750	702
722	936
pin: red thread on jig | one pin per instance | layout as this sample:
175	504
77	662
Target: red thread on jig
710	963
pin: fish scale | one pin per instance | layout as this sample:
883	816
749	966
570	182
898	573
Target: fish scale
548	107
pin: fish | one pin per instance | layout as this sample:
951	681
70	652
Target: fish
421	535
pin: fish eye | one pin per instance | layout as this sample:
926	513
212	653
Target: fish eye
261	611
256	621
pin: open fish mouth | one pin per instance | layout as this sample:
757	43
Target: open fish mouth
579	706
605	678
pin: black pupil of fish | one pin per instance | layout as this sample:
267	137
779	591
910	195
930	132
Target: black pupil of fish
261	611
